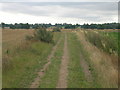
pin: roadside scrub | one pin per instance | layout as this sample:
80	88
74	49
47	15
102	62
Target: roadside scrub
104	70
103	40
41	34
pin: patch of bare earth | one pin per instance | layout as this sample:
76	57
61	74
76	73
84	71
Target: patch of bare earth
102	62
37	80
62	81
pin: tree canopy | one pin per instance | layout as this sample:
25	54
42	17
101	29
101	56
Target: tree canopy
64	25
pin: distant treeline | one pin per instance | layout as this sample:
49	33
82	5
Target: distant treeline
102	26
64	25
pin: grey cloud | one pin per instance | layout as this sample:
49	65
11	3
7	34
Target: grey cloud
92	11
60	1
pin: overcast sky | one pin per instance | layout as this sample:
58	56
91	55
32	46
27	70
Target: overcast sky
74	11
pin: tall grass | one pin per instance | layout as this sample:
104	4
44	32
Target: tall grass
105	43
19	68
106	73
41	34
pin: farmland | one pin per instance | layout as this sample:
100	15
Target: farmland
78	58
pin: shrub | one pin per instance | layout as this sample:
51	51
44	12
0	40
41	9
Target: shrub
56	29
43	35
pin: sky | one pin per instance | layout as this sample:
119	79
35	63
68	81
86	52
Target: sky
62	11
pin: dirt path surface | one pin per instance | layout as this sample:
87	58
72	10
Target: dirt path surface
37	80
62	81
86	70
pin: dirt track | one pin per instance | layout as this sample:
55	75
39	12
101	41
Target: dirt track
62	81
37	80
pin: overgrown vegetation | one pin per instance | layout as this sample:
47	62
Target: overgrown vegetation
105	42
104	66
42	34
56	29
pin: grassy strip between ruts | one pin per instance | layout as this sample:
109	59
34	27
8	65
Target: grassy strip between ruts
24	64
76	77
52	73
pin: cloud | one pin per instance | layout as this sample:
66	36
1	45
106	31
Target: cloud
60	1
79	11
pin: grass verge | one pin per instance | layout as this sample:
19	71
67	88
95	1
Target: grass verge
106	41
103	70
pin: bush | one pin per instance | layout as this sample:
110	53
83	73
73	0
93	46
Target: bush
43	35
56	29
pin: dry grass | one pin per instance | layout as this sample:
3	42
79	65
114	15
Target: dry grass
11	38
102	63
14	35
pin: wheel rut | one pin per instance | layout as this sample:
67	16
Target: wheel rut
37	80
